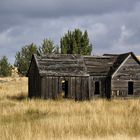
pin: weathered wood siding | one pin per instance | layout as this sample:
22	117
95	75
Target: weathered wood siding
34	79
129	71
78	87
104	86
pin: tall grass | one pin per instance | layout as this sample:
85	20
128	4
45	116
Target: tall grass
24	119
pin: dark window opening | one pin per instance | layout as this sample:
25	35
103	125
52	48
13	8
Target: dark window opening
97	88
65	88
130	88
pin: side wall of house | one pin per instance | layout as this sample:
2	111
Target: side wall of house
78	87
129	71
104	87
34	86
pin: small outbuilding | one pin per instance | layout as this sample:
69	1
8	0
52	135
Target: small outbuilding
78	77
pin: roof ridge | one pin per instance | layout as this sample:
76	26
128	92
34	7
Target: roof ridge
116	54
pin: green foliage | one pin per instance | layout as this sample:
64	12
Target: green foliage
48	47
5	67
23	58
76	42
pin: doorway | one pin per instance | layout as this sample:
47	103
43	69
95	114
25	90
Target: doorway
97	88
65	88
130	88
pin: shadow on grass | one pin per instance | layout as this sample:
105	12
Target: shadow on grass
19	97
27	116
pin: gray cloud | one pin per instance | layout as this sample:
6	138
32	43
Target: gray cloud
113	26
55	8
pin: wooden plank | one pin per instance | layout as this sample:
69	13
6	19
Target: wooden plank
42	87
46	88
69	87
83	88
53	87
91	87
120	88
103	88
71	94
56	87
59	86
119	83
29	87
87	89
73	90
78	88
50	87
39	82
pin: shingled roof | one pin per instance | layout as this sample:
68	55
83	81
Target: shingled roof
99	65
120	58
60	65
78	65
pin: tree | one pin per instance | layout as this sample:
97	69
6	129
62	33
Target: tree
23	58
76	42
48	47
5	67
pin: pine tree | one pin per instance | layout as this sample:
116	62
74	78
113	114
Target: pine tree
47	47
86	47
76	42
5	67
23	58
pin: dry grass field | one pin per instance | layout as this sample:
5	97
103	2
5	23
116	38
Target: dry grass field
24	119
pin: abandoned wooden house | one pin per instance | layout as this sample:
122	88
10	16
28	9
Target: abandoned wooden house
80	77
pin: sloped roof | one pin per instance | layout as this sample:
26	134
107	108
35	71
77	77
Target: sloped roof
120	58
78	65
61	65
106	64
99	65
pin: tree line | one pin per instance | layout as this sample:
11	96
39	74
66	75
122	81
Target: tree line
73	42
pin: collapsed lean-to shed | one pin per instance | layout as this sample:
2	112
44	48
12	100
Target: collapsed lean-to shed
80	77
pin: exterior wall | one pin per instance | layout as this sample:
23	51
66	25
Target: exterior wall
78	87
34	82
104	86
129	71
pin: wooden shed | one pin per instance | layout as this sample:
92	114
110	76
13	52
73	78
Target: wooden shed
80	77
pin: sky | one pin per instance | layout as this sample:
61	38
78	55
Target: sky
113	25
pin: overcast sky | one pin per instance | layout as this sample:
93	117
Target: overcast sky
113	25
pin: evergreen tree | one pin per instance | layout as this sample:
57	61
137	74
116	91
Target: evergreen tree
85	45
5	67
48	47
76	42
23	58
